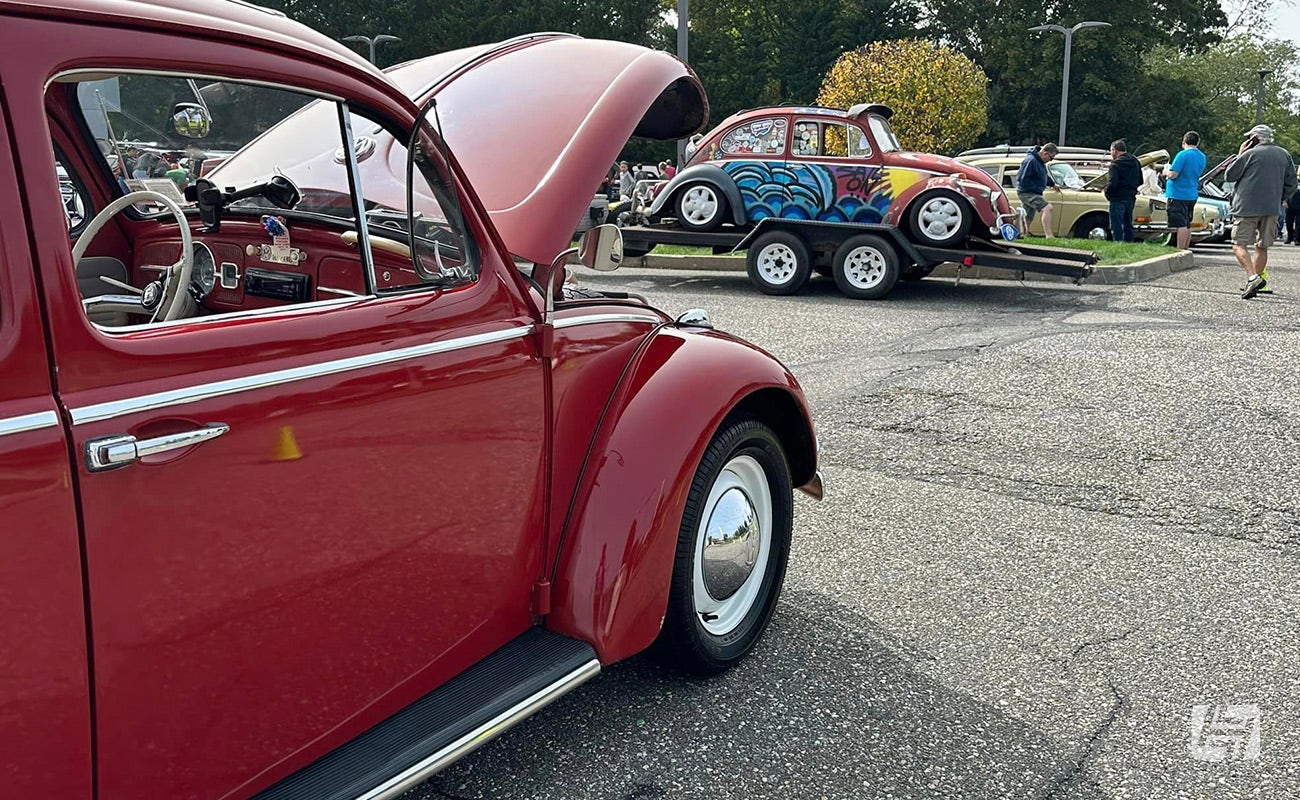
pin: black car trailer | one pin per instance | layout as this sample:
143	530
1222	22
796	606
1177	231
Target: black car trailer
866	260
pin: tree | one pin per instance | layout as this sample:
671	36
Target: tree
939	97
1225	79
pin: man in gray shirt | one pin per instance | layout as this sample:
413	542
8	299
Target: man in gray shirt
1265	178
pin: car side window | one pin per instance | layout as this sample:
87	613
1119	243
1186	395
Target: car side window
444	254
843	140
764	136
807	139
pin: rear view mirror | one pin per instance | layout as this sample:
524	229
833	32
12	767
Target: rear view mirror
191	120
601	248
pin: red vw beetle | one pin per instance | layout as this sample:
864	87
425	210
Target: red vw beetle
313	475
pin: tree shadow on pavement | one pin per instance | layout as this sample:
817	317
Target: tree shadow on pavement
829	706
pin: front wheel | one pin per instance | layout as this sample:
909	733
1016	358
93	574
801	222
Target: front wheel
940	218
778	263
732	550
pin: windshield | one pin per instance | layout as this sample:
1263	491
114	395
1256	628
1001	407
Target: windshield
1065	175
884	134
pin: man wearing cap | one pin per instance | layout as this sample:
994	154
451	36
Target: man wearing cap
1265	178
1183	187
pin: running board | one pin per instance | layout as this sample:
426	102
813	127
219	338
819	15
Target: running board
524	676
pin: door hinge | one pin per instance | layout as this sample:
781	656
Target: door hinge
542	598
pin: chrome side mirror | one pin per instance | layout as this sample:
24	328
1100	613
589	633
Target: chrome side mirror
601	248
191	120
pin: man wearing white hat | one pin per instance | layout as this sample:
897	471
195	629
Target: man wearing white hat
1265	179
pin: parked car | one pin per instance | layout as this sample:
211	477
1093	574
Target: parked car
1079	205
830	165
307	489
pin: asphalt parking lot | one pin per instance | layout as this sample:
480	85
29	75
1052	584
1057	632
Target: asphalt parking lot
1060	546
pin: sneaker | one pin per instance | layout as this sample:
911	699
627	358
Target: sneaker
1252	287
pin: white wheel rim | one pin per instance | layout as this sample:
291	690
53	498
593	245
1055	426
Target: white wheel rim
699	205
742	477
776	263
864	268
940	217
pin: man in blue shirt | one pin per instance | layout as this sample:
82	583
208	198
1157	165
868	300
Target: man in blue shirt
1032	179
1183	187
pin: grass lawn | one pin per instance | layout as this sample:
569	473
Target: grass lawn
1109	253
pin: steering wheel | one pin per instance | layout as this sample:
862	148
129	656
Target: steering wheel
168	291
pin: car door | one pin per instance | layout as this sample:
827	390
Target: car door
45	735
300	518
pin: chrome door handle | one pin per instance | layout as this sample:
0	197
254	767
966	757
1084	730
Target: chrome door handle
111	452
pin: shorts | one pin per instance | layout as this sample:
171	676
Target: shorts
1180	213
1258	231
1033	203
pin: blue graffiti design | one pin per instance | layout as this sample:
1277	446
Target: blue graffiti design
800	191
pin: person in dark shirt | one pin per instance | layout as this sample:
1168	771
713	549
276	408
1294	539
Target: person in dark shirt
1293	215
1032	179
1122	184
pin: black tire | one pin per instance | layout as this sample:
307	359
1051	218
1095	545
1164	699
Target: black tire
778	263
865	267
940	218
700	206
744	460
1089	223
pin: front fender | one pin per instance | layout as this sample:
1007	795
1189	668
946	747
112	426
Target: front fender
978	196
615	559
707	173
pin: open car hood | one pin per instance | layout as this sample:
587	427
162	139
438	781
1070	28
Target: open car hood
537	123
534	123
1146	160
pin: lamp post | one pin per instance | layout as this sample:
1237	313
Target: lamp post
372	41
1065	77
1259	95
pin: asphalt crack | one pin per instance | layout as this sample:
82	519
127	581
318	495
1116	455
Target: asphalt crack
1075	772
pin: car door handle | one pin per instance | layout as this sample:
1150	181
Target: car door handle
111	452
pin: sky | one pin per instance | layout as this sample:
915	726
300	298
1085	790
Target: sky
1286	23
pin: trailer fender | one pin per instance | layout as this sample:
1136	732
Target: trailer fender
614	560
701	173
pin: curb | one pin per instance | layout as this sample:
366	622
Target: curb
1140	272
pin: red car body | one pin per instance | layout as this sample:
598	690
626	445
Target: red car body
410	480
826	165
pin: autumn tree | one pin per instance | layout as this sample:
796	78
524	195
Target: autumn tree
939	97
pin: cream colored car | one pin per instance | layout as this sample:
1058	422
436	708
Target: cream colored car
1079	206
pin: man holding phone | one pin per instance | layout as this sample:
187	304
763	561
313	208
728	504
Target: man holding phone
1265	179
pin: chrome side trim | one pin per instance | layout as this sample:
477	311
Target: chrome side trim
483	734
596	319
28	422
190	394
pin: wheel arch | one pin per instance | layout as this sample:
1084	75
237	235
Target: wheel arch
711	174
613	566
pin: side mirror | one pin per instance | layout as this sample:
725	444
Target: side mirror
191	120
601	248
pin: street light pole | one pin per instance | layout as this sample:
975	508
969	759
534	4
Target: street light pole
1259	95
683	18
372	41
1065	75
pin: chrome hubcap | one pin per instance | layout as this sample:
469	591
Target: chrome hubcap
940	217
864	267
1097	233
776	263
732	546
700	204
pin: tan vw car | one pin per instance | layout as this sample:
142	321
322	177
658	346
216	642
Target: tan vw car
1079	205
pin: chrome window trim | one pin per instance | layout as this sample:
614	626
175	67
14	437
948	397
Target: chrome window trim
286	310
28	422
483	734
596	319
205	391
358	202
62	77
